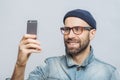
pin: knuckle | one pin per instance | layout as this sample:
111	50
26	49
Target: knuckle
25	35
29	45
27	40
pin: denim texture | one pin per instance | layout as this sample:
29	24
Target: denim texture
64	68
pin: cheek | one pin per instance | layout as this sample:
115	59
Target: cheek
84	37
65	37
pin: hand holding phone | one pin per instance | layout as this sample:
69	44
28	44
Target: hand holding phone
32	27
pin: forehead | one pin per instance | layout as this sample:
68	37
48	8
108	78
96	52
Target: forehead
74	21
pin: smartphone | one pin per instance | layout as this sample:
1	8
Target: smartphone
32	27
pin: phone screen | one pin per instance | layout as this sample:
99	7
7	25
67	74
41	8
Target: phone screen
32	27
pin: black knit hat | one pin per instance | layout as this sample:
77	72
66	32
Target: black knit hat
82	14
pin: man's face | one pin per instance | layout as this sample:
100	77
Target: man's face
76	43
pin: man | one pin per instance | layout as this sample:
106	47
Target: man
79	62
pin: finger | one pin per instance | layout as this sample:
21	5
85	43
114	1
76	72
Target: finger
30	41
26	36
33	46
34	51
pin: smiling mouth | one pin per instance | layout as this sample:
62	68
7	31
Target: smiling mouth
72	44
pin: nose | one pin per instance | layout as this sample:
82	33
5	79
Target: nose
71	34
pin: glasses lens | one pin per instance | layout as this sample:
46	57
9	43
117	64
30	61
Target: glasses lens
65	30
77	30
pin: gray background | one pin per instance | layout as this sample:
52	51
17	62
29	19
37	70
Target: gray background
49	13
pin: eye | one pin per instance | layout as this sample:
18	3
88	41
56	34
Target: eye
66	28
76	28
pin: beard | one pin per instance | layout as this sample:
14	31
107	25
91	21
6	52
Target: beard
75	46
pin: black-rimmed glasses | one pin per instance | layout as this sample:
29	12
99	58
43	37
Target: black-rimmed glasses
76	29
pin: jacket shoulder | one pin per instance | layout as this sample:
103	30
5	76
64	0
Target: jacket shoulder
104	65
54	59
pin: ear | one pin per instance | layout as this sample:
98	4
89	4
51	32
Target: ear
92	33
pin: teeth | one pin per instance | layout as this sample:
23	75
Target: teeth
72	43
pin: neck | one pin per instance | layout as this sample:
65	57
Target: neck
79	59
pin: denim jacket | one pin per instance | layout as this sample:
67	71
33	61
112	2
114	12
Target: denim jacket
64	68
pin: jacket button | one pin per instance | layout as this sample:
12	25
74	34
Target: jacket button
78	68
